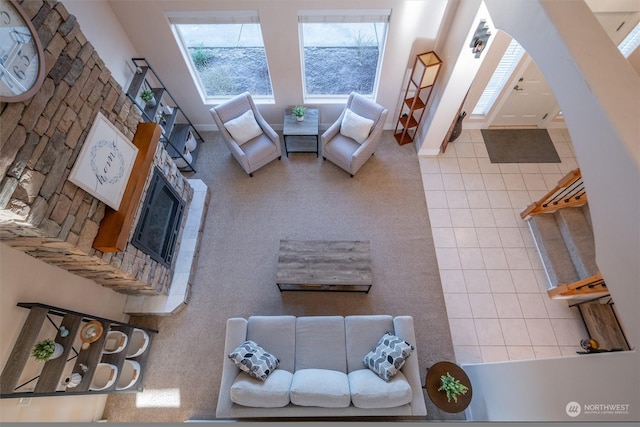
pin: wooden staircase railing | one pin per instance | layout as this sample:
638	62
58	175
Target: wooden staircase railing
591	285
568	192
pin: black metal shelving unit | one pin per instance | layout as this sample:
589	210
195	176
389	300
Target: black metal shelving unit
46	378
176	127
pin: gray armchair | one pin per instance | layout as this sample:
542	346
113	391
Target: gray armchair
258	150
345	151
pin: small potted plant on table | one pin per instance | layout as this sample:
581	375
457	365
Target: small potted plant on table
46	349
452	387
299	111
147	96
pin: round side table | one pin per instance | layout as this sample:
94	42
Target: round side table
439	398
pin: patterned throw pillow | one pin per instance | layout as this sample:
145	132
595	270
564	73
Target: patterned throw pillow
254	360
388	356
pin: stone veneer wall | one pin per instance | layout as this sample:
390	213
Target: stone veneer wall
41	212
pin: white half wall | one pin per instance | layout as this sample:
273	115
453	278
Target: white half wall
540	390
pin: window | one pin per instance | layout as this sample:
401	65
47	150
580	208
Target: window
342	51
500	76
224	51
631	42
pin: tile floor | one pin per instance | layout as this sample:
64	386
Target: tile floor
493	281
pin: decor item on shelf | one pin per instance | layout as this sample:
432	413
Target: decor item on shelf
115	342
417	93
452	387
128	375
46	349
185	160
191	143
167	110
299	111
72	380
138	343
589	344
91	332
63	331
147	96
105	375
480	38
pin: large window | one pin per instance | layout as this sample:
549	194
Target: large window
225	52
342	51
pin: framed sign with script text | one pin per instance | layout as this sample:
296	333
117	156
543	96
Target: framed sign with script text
104	163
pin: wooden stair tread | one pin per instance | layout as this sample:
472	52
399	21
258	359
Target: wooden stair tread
602	325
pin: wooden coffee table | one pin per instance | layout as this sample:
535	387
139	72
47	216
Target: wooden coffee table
324	265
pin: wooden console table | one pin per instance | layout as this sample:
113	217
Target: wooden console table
324	265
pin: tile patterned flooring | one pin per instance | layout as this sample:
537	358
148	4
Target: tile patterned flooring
492	277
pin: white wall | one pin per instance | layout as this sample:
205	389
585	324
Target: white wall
101	27
413	29
539	390
460	67
634	60
599	100
26	279
492	57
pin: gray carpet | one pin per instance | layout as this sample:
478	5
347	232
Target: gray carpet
520	146
300	197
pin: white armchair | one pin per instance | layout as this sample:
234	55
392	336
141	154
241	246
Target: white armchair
349	143
248	136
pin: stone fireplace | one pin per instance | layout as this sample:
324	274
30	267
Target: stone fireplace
41	212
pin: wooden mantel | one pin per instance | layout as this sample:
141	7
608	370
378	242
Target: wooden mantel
115	227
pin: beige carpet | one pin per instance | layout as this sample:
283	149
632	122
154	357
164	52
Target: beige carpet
299	197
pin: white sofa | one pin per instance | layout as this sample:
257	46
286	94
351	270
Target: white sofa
318	356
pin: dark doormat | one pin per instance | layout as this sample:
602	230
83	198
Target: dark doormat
520	146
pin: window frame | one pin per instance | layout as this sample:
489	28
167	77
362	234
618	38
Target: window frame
346	16
213	17
630	42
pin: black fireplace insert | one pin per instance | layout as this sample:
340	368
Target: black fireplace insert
160	219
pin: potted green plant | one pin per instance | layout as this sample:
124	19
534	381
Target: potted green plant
46	349
299	111
452	387
147	96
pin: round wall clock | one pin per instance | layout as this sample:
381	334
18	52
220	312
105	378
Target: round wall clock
21	55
